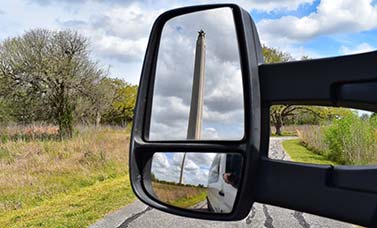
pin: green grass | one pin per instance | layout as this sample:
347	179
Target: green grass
190	201
283	134
78	209
299	153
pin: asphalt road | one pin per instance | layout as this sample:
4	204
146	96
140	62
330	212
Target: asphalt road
139	215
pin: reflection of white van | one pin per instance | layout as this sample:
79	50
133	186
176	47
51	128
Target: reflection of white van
223	179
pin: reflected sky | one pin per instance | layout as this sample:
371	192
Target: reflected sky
223	114
167	166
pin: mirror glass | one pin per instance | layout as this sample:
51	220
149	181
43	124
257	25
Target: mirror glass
206	182
198	83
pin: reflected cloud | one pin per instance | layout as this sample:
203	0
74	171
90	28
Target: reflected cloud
223	115
167	166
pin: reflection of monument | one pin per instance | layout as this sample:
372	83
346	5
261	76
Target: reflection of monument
196	107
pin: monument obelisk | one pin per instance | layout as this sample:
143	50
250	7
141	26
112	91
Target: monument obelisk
196	107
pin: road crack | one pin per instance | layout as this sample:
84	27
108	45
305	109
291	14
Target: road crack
301	220
127	222
269	220
250	217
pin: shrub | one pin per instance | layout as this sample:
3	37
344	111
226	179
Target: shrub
350	140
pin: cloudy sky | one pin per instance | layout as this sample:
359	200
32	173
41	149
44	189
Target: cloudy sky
223	98
167	166
118	29
118	32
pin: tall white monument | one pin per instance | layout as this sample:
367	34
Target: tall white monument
196	107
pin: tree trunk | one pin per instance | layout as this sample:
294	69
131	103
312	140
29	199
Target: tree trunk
278	125
278	130
65	125
98	119
65	117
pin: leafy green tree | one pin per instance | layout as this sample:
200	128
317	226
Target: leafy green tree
123	105
273	55
317	115
5	111
110	101
98	102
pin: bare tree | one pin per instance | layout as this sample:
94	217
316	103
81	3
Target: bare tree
53	69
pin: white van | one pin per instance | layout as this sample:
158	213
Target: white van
223	178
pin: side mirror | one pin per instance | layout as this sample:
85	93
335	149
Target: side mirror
199	144
198	114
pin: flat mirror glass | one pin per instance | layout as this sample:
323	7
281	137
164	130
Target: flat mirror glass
206	182
198	91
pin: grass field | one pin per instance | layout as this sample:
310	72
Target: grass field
70	183
299	153
180	196
73	183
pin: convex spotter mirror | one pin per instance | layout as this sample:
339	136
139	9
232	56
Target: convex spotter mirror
205	182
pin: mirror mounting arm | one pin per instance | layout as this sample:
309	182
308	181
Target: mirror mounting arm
319	81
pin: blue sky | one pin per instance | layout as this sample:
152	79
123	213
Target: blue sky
118	30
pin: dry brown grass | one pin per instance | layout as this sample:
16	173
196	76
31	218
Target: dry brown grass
29	132
176	194
312	136
33	171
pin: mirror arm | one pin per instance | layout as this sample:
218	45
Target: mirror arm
319	81
356	178
319	189
359	95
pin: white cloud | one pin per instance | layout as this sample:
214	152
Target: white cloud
132	22
120	32
119	29
167	166
160	161
266	5
210	133
331	17
223	96
262	5
190	166
170	118
121	49
363	47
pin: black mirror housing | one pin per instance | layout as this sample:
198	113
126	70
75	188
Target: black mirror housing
347	81
142	150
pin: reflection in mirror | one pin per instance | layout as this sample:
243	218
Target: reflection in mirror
198	83
205	182
323	135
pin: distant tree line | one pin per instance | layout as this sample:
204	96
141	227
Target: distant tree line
155	179
48	76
